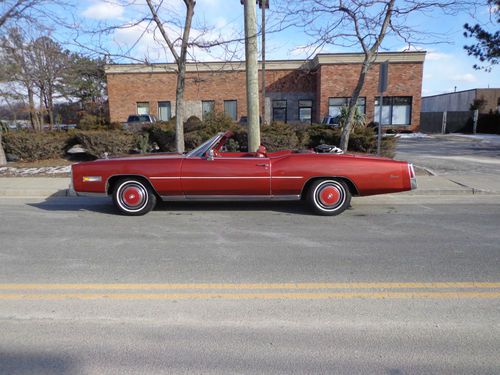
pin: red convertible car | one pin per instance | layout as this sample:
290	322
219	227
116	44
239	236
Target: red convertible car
325	180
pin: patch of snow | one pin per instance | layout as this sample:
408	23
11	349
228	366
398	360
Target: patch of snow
12	171
412	135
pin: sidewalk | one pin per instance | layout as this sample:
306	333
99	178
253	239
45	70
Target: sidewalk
45	187
39	187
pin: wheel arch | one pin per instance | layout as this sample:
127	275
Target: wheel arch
112	180
352	187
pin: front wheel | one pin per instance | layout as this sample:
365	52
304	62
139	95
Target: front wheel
328	197
133	197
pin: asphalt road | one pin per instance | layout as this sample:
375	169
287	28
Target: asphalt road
453	154
395	285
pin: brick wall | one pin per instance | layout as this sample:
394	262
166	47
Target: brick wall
336	80
125	90
405	79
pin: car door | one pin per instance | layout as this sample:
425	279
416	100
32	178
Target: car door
226	176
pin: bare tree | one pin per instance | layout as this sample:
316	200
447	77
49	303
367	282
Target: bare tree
17	70
12	10
180	60
175	30
37	13
362	25
49	63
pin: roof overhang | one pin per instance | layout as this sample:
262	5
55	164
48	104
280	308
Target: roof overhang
320	59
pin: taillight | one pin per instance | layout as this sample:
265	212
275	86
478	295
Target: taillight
411	170
413	178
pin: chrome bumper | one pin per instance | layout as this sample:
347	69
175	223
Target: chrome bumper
413	183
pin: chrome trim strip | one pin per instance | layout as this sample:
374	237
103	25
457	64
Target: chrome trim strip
231	198
165	178
250	158
413	183
223	177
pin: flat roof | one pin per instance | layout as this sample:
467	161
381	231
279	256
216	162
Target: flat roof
461	91
319	59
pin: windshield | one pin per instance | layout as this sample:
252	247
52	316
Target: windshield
202	149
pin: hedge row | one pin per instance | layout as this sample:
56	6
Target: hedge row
31	146
277	136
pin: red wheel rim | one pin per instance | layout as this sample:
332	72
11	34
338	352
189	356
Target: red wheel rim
132	196
329	195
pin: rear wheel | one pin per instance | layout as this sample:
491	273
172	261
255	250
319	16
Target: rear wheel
133	197
328	197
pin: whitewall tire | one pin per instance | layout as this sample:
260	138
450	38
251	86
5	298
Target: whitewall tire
328	197
133	197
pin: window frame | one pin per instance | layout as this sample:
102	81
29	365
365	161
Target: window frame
311	107
346	103
273	107
137	105
205	113
391	100
235	101
170	109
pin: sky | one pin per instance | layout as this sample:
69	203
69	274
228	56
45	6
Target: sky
447	67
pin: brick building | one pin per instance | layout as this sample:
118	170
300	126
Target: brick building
296	91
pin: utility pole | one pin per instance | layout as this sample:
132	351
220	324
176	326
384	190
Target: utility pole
263	4
3	159
382	87
252	73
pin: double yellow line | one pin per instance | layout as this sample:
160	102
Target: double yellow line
264	291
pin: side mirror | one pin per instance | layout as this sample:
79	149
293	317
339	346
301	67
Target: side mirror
210	154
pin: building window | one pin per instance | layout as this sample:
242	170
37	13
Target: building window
396	110
207	106
143	108
230	109
279	110
164	111
335	105
305	111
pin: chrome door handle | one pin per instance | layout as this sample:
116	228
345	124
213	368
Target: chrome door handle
263	165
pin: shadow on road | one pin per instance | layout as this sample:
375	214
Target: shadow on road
105	206
36	363
295	207
75	204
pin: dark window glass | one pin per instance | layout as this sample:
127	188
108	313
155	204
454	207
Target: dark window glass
164	111
279	103
305	111
335	104
396	110
279	110
230	109
207	106
143	108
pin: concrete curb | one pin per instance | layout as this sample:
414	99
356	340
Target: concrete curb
40	187
48	187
